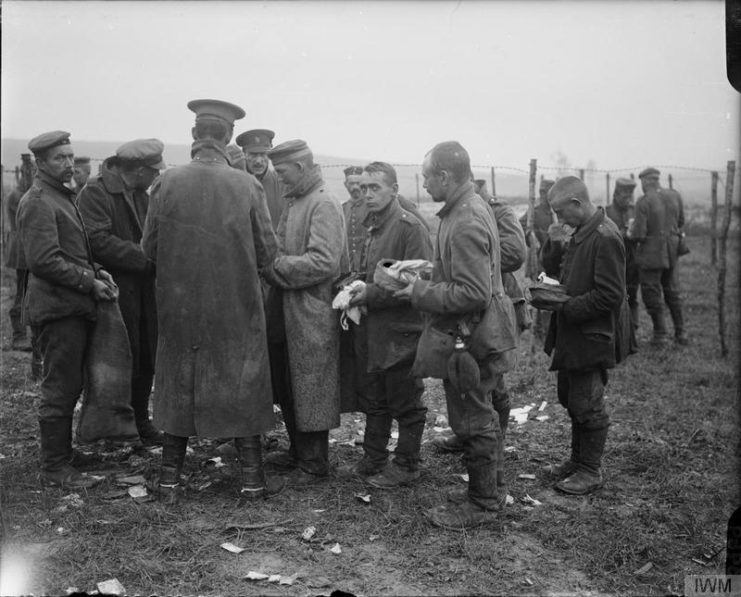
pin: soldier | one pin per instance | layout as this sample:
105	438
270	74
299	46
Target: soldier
466	290
542	219
81	173
354	212
303	327
512	251
386	340
63	287
255	144
208	233
14	257
621	211
657	229
114	206
587	335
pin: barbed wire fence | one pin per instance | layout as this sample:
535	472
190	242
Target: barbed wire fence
698	186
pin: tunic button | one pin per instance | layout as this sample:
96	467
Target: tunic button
195	347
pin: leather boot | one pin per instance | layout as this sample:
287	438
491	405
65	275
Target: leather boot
408	447
569	466
482	506
588	476
660	334
173	456
375	440
56	452
254	483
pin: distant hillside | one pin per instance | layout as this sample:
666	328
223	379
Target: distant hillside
510	184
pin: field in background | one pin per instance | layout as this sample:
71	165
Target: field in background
671	483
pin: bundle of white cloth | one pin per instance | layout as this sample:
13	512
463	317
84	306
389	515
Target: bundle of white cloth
342	301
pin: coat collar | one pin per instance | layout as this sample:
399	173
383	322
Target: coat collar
111	179
586	229
47	180
464	191
376	221
208	150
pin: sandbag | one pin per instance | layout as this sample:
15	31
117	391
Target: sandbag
106	407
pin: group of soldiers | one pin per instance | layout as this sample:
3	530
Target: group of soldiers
225	270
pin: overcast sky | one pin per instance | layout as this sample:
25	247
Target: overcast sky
621	83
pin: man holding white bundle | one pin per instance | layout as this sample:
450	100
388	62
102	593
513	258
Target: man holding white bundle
385	342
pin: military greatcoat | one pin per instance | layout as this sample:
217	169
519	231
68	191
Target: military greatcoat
208	231
312	250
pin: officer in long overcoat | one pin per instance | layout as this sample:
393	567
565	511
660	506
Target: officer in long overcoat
303	327
208	232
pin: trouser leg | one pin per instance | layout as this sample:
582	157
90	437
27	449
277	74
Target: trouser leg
249	452
586	390
16	310
372	400
404	398
501	402
632	282
651	292
173	457
63	344
282	391
563	389
312	451
673	299
473	421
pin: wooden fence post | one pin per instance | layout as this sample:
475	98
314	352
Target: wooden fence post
671	182
493	183
731	171
416	179
714	219
632	176
581	174
607	194
532	267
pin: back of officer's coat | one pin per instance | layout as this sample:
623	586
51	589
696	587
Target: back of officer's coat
209	231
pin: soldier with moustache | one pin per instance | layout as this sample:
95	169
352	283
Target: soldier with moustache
63	286
256	144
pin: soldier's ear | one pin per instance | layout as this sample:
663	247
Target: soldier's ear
193	133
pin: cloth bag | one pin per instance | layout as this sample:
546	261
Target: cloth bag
434	349
106	408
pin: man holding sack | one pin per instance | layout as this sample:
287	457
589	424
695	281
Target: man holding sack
63	288
465	301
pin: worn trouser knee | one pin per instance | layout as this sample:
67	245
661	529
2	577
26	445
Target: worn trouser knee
62	344
584	392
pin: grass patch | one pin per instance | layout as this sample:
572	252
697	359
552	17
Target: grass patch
671	483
